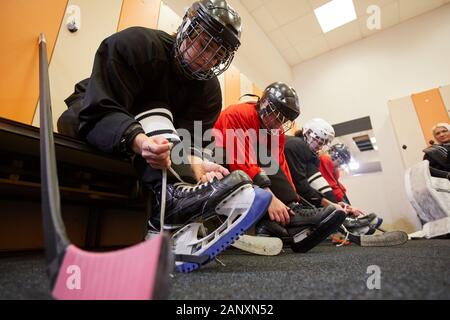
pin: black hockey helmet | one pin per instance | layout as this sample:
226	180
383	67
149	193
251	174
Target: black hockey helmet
340	154
207	39
278	107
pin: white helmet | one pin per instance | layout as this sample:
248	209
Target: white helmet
318	133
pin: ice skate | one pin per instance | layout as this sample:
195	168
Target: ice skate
239	210
307	228
366	225
187	202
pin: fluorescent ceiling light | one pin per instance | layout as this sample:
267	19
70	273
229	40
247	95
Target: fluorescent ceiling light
335	14
353	165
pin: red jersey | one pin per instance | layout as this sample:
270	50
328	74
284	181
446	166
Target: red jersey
241	119
332	176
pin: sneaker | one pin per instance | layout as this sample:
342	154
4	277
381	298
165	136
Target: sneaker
186	202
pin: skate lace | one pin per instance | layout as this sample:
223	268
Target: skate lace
310	212
188	188
305	212
346	237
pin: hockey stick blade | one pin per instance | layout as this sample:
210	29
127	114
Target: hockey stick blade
264	246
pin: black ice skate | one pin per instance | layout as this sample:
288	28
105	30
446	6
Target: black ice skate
306	229
186	202
367	224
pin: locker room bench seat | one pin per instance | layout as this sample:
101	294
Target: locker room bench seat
103	204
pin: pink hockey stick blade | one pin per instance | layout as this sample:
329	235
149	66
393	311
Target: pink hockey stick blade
134	273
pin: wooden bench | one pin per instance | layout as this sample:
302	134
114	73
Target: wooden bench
102	201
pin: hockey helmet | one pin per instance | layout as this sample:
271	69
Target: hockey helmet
207	39
340	154
278	107
318	133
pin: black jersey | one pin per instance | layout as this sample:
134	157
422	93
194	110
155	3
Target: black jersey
439	157
304	167
134	71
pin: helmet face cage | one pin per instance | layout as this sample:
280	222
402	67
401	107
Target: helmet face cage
272	119
200	55
315	141
340	154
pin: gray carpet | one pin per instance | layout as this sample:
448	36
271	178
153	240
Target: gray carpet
419	269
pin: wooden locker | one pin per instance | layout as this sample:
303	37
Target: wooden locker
430	110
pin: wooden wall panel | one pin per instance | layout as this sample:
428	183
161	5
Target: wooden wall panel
21	21
74	53
121	228
430	110
142	13
257	90
232	86
21	225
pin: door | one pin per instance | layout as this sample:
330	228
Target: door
410	138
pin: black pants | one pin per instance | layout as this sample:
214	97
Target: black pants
151	178
282	188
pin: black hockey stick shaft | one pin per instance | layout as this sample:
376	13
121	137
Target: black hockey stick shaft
54	231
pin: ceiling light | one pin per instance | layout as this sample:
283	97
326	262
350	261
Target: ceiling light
353	165
335	14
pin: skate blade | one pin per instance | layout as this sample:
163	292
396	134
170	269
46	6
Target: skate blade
388	239
264	246
224	236
328	226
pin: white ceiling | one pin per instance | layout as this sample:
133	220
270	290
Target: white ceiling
294	30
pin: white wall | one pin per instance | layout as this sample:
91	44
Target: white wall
168	20
358	192
257	58
359	79
74	53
